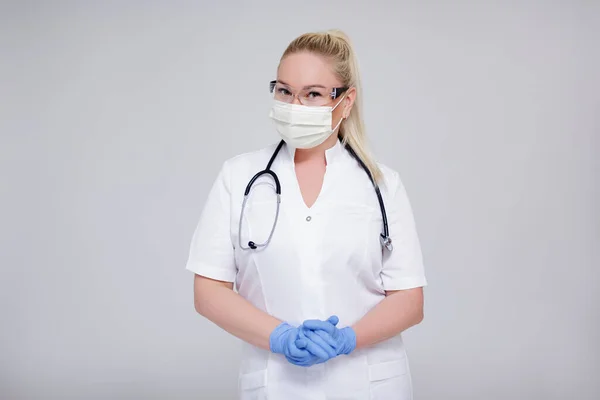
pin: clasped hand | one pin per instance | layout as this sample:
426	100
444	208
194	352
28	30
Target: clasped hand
313	342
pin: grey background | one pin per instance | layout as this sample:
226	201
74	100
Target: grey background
114	120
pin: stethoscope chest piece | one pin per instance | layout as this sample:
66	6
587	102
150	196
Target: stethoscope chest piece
386	242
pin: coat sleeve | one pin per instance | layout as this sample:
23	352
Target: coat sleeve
211	252
403	266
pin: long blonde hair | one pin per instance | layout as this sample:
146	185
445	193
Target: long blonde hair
335	46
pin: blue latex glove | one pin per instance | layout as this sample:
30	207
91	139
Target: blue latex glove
283	341
343	341
316	343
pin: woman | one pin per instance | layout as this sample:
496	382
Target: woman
322	295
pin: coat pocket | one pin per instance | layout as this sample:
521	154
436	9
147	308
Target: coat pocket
390	380
253	385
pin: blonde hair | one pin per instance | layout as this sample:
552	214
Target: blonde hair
335	46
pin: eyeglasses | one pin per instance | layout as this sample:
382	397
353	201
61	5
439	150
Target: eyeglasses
313	96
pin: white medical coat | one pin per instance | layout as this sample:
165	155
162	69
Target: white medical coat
324	260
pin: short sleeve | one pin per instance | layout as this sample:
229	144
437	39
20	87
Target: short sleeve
403	266
211	251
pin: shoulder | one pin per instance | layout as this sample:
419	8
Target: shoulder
252	157
238	166
390	179
393	189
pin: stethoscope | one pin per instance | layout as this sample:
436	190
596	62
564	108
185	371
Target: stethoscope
384	237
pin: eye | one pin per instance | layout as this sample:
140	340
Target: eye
313	94
283	91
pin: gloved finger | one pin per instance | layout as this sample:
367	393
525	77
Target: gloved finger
301	357
319	341
315	324
313	348
302	363
327	338
301	333
295	360
297	354
294	351
317	350
333	320
301	340
318	347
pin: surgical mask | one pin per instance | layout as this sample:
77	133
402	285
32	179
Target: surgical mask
301	126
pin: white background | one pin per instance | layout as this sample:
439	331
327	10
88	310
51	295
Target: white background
116	116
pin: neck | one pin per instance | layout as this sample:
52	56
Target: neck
316	153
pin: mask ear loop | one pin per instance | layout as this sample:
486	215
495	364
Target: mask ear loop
338	124
343	117
341	99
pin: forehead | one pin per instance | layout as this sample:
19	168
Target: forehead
303	69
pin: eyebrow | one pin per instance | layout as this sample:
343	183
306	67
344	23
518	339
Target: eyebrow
305	87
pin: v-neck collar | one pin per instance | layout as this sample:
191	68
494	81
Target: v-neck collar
332	154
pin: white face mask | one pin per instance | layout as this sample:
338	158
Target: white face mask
301	126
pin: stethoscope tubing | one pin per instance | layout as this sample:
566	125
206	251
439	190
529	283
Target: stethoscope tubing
384	237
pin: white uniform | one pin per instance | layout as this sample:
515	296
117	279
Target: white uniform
324	260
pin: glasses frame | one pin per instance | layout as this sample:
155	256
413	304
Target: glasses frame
335	92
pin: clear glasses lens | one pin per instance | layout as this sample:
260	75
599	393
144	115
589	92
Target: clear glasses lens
314	97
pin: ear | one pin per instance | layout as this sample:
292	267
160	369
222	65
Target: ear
349	102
